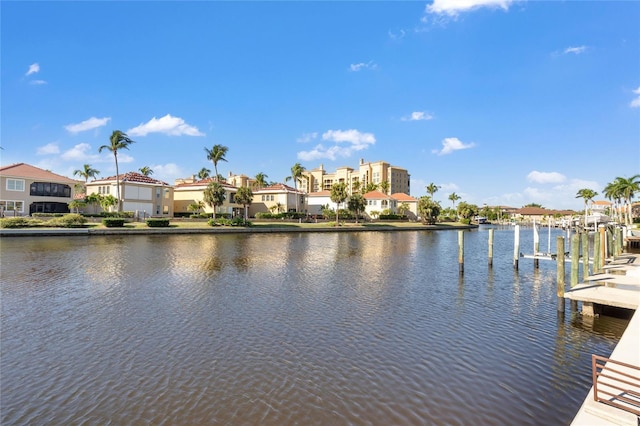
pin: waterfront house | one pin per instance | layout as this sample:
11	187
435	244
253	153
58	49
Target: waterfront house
139	193
316	201
191	191
277	198
377	203
403	200
542	215
26	189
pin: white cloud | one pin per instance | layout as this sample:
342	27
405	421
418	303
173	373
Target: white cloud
79	152
537	195
88	124
396	36
454	7
346	143
450	145
307	137
368	66
48	149
167	172
37	82
635	103
169	125
418	116
545	177
575	50
449	187
33	69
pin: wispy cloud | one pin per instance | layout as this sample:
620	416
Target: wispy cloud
545	177
453	8
33	69
169	125
91	123
635	103
346	142
575	50
399	35
450	145
307	137
418	116
80	152
48	149
37	82
363	66
167	172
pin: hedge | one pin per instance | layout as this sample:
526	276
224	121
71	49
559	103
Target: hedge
113	222
158	223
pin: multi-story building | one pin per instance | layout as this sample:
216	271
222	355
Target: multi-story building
139	193
191	191
319	179
26	189
277	198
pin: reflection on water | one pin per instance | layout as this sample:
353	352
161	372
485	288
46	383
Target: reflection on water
335	328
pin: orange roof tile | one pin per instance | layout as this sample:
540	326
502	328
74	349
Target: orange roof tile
23	170
401	196
133	177
376	195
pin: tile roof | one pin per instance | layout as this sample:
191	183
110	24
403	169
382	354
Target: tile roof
133	177
537	211
23	170
376	195
203	183
279	187
602	203
319	194
401	196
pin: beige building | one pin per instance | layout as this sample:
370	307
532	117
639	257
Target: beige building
26	189
190	191
277	198
139	193
319	179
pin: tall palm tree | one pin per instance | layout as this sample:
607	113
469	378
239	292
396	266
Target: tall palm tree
297	172
628	188
339	195
244	196
146	170
204	173
214	195
216	154
385	186
588	195
261	180
614	194
432	188
118	140
87	172
453	198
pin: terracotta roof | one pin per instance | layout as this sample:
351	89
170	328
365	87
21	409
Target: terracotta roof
537	211
319	194
23	170
401	196
133	177
204	182
376	195
278	187
602	203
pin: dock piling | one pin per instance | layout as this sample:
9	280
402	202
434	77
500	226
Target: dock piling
560	273
585	256
516	246
461	252
490	247
597	260
575	259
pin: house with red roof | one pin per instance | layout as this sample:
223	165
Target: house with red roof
140	194
279	198
190	191
26	189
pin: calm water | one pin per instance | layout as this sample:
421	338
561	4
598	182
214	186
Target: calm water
363	328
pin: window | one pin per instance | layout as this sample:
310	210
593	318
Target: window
15	184
271	197
47	189
17	206
158	192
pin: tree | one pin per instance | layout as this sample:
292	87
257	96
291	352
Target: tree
403	208
628	188
466	211
453	198
118	141
357	204
215	155
87	172
214	196
108	201
244	196
196	206
369	187
432	188
261	180
588	195
146	170
93	199
297	171
385	186
77	204
534	205
277	207
338	195
203	173
428	209
613	192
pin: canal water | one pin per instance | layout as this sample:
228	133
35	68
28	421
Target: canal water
275	329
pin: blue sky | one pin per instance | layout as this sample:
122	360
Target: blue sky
503	102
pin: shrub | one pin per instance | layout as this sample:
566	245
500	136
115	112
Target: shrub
18	222
70	220
392	217
113	222
47	214
158	223
212	222
465	221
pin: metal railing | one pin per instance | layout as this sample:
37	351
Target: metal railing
616	383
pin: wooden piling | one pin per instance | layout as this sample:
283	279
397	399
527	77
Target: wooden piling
585	256
560	273
461	252
603	244
516	246
490	247
597	259
536	246
575	259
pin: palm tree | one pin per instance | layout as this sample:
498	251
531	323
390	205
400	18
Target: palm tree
297	171
384	186
453	198
118	140
204	173
370	187
357	204
87	172
244	196
214	196
146	170
432	188
612	192
628	188
429	210
338	195
261	180
588	195
216	154
196	206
